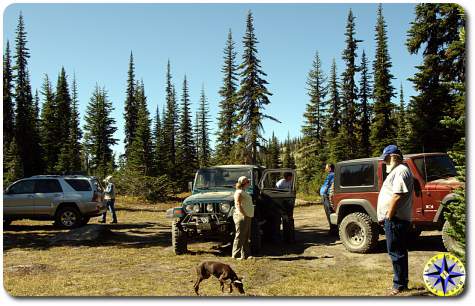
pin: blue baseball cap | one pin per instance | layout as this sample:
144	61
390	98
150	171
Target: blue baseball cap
391	149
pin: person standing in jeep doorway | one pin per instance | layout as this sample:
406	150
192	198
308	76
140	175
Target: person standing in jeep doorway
109	196
243	214
325	193
395	211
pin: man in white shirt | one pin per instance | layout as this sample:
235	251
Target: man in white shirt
395	211
286	182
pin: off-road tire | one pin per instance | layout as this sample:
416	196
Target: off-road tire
68	217
450	244
358	233
179	239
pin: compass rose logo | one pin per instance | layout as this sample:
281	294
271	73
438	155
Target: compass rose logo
444	275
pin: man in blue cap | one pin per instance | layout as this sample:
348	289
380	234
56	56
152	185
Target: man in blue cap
395	211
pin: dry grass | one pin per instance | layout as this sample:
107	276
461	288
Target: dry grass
137	260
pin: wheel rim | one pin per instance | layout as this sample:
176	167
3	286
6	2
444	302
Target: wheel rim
355	234
68	218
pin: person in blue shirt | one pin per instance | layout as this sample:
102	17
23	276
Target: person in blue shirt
325	192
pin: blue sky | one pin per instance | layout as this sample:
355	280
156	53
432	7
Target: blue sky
93	41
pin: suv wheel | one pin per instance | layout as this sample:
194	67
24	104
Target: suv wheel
179	241
68	217
358	233
450	243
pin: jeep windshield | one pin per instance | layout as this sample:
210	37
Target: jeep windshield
219	178
435	167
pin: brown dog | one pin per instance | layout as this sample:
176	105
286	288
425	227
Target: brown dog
222	272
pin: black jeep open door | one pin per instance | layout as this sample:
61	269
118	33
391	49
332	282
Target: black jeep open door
277	204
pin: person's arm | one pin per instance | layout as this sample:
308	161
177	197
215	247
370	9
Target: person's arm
329	183
393	206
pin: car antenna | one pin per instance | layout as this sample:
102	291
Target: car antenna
425	163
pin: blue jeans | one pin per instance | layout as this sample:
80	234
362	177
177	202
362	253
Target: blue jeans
396	231
111	207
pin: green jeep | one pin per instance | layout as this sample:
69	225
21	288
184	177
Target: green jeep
207	213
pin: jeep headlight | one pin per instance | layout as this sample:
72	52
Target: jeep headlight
196	208
189	208
209	207
224	207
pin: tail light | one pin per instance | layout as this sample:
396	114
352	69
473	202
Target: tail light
97	197
178	212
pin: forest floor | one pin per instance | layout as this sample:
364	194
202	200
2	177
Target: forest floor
136	259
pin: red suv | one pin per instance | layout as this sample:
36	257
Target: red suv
356	188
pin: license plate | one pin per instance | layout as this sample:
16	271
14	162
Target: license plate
205	226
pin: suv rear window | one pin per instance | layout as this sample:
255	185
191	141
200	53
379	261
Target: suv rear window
79	185
435	167
357	175
48	186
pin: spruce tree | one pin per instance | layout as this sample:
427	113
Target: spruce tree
8	106
365	113
383	128
288	160
403	130
12	167
49	127
273	153
28	147
186	159
432	31
253	94
334	112
313	128
140	150
170	126
99	132
130	109
75	130
227	115
158	151
348	131
204	149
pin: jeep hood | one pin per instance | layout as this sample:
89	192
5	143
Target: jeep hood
210	196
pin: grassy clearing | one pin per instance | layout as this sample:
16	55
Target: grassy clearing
137	260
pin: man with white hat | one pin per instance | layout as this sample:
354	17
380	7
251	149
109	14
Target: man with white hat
109	196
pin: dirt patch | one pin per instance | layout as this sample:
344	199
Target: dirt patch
22	270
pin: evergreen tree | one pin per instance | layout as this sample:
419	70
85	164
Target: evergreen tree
12	169
131	108
99	132
37	111
403	130
432	30
273	153
227	115
253	94
170	126
28	148
334	113
140	150
187	159
49	127
75	130
347	135
204	149
383	128
158	150
365	117
288	161
8	106
313	128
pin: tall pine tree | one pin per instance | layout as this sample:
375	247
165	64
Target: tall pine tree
383	128
130	109
99	133
252	96
170	126
204	148
49	127
25	131
186	158
365	113
334	103
158	149
8	106
227	115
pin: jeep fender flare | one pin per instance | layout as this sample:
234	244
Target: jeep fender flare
439	216
365	204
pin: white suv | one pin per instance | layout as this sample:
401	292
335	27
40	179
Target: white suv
68	200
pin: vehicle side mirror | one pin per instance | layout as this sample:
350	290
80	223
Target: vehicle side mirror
190	186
